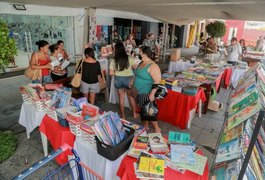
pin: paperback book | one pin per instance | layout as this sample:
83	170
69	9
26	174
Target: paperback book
198	166
179	137
182	154
228	151
157	143
233	133
242	115
249	99
140	142
144	175
150	163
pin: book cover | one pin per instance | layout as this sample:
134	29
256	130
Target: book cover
118	124
140	142
228	151
198	166
219	173
178	137
243	103
242	115
89	110
156	140
233	133
64	64
232	170
182	154
151	164
172	165
144	175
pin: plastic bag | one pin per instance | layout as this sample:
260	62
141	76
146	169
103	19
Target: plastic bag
149	111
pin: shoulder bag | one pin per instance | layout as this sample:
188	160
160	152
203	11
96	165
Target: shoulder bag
76	81
33	73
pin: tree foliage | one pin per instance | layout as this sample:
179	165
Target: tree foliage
216	29
8	48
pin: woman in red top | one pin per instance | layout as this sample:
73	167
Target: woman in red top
41	60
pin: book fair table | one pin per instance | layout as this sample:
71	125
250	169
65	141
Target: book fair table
176	107
57	136
100	165
30	117
179	66
126	171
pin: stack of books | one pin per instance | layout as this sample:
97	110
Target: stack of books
150	166
182	154
139	143
157	143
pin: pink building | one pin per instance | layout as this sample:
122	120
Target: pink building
248	30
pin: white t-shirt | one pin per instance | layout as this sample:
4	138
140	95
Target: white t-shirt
233	52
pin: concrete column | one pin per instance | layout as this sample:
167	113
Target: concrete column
165	41
92	25
86	27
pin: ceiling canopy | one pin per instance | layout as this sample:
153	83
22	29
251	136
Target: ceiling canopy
172	11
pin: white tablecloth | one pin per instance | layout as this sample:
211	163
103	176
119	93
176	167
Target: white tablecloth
114	97
179	66
236	75
30	117
88	155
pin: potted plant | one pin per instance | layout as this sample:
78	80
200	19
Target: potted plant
8	48
216	29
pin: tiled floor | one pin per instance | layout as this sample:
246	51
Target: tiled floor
204	131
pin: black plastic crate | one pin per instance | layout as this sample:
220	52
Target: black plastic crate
113	153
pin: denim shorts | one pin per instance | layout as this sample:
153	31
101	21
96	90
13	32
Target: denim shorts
122	82
44	80
89	88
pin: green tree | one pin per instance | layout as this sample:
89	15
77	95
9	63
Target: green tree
216	29
8	48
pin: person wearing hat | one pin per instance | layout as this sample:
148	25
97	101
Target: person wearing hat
116	37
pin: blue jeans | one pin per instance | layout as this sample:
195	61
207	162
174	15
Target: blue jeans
44	80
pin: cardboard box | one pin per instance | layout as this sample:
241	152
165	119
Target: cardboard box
175	54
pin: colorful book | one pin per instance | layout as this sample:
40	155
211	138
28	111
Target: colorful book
198	166
179	137
228	151
157	142
140	142
172	165
182	154
149	163
232	170
242	115
233	133
249	99
144	175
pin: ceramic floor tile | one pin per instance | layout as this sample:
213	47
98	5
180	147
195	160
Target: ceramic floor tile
214	125
199	122
208	138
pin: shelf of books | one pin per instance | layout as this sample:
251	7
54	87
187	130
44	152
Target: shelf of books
241	145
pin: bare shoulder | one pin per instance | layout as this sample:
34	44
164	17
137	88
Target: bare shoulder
154	67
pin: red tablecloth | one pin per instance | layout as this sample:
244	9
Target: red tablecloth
226	77
126	171
175	108
57	135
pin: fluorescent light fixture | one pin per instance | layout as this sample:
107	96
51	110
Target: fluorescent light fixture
19	7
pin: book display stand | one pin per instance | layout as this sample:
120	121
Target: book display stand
241	145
